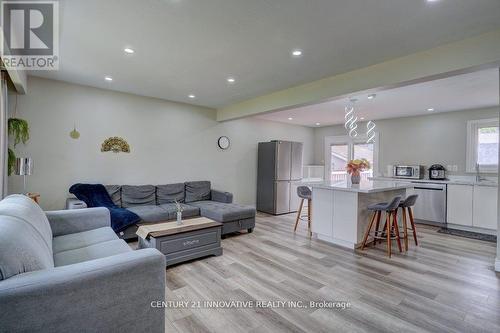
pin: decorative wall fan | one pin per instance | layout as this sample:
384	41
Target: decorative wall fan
116	145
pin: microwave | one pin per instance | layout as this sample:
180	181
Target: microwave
409	171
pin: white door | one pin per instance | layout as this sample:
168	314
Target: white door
341	149
339	155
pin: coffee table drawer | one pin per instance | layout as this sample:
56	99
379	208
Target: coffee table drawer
185	242
185	245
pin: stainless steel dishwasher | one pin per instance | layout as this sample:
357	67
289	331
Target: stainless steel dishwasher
431	203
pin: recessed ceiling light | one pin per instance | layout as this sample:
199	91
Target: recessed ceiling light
362	118
372	96
290	118
297	53
317	124
128	50
231	79
192	96
430	109
108	78
432	0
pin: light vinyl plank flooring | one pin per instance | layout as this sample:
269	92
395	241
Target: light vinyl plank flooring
446	284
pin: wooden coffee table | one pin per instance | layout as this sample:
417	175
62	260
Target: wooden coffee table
195	238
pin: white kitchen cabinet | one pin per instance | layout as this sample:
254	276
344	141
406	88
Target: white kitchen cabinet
459	205
322	219
485	207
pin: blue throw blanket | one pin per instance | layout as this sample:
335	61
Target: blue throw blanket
95	195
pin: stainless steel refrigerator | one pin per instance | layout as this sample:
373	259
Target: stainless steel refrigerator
279	166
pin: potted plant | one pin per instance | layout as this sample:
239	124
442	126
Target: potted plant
354	168
19	130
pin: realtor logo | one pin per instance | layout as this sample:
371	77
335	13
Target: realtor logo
31	35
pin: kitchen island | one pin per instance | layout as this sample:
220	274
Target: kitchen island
339	209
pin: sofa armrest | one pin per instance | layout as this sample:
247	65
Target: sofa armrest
113	294
220	196
65	222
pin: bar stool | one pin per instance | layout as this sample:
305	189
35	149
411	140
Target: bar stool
391	228
304	193
407	205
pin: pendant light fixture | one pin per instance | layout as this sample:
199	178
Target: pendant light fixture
370	132
351	120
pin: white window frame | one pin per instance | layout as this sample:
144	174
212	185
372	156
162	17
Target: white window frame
333	140
472	141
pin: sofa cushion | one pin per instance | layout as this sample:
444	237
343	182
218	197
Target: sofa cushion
188	210
141	195
169	193
91	252
18	205
197	191
115	192
83	239
22	248
151	213
224	212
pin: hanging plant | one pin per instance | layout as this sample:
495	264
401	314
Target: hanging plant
11	162
19	130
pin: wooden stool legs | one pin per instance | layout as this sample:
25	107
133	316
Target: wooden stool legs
309	211
377	225
413	228
298	214
405	229
412	225
395	226
388	233
391	228
367	232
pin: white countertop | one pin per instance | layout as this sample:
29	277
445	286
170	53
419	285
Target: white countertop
366	186
489	183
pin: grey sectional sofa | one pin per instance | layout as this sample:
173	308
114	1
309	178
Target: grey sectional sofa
156	204
67	271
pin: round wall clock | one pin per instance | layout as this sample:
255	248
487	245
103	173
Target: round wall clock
223	142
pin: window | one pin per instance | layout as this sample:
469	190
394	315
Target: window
365	150
340	149
482	145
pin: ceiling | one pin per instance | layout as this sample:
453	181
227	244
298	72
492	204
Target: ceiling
185	47
463	92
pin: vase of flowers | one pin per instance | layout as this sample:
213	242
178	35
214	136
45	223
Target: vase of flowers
179	209
354	168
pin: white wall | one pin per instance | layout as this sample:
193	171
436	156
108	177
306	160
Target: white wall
425	140
170	142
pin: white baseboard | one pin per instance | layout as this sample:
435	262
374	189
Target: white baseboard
472	229
497	265
336	241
